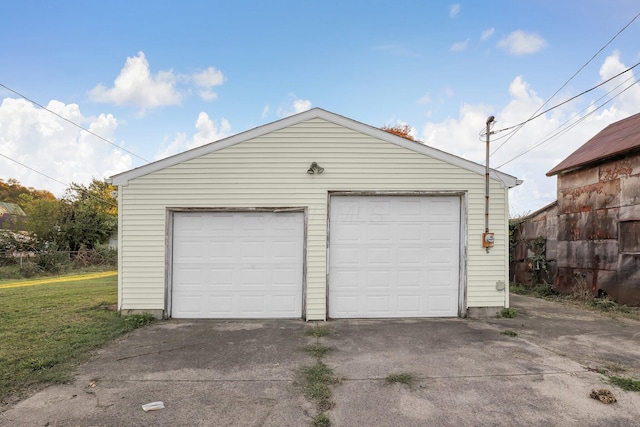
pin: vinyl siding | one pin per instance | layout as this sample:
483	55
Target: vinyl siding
270	171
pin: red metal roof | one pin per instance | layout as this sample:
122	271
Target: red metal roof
617	138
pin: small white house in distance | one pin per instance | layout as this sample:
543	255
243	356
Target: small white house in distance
314	216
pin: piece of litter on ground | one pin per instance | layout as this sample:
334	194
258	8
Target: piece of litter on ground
603	395
153	406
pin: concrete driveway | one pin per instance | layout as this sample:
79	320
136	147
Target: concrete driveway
243	373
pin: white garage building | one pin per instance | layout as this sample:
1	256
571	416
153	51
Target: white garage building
314	216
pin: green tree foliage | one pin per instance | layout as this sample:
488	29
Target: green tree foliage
44	219
85	217
91	214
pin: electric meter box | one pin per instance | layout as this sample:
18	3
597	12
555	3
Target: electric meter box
487	240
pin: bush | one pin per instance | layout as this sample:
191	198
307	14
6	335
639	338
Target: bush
52	260
108	255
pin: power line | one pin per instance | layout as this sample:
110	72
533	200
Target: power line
74	123
560	104
563	131
565	84
58	181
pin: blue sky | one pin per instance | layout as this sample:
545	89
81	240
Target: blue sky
160	77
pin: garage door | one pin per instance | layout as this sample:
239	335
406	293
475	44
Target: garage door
237	265
394	256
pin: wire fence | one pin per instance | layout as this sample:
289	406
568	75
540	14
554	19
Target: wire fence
51	261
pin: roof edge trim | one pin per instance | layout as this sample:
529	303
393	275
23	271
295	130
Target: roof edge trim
124	177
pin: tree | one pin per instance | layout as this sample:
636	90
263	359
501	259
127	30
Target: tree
43	220
85	216
90	214
399	130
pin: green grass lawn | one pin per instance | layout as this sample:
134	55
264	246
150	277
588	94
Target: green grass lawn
48	328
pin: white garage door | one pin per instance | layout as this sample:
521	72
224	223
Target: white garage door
237	265
394	256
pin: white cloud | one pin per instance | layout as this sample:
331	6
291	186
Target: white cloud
56	148
487	34
625	85
426	99
522	43
459	135
265	111
207	131
300	105
454	10
206	80
209	78
136	86
446	93
297	106
460	46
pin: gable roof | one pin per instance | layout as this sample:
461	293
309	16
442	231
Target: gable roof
7	208
618	138
124	177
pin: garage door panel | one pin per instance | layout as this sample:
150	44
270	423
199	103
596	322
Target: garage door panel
408	279
378	304
409	305
237	265
379	255
377	232
378	279
221	251
190	251
221	278
408	255
410	210
410	233
440	278
403	262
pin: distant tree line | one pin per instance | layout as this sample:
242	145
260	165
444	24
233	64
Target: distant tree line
11	191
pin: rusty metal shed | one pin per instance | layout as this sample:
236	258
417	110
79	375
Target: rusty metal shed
598	213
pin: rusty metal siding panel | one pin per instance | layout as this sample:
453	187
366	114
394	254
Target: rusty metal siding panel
630	236
630	190
578	178
619	168
598	225
629	213
586	254
628	279
590	197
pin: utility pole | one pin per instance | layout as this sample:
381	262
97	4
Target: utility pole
487	237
